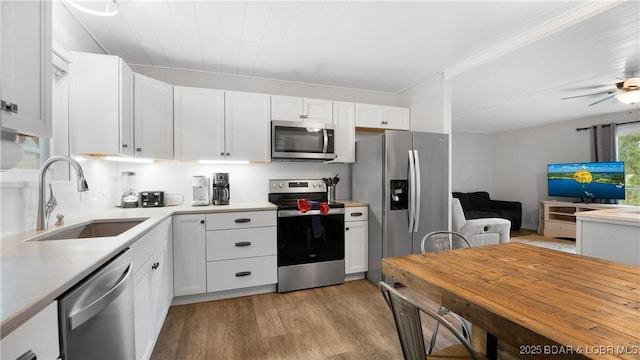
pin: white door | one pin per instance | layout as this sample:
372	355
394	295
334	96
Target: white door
189	255
125	102
25	55
158	289
345	132
153	118
288	108
198	123
318	110
356	250
247	126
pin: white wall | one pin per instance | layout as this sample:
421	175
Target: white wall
520	157
472	162
68	34
248	183
430	105
19	195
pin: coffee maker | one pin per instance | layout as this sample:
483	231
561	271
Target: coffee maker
220	194
200	185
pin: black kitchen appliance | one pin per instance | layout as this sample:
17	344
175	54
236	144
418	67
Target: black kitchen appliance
310	243
221	190
151	199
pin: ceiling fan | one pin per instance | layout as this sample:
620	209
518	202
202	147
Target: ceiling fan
627	91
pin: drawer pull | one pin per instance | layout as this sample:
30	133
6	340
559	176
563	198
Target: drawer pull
356	214
243	243
242	220
243	273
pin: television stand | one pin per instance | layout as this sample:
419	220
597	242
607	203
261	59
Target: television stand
557	219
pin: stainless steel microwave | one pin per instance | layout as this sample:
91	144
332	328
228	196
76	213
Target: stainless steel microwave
297	140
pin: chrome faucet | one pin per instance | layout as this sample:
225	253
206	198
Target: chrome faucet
45	209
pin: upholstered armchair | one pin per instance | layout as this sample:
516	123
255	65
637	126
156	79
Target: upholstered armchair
479	231
477	205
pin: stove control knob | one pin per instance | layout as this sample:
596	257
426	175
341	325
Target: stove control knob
314	184
275	186
280	185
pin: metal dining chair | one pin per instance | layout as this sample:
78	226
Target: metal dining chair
438	241
406	315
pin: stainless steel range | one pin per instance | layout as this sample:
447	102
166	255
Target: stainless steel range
311	240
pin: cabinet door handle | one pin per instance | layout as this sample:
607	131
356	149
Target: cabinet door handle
243	243
139	149
242	220
356	214
346	229
201	221
125	145
243	273
221	154
228	154
9	107
301	116
155	265
384	122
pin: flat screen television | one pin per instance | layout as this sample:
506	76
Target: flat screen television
587	181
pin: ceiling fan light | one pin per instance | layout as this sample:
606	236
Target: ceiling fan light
95	7
629	97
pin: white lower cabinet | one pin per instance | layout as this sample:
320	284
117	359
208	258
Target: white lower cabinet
39	336
241	273
189	255
356	240
224	252
241	250
152	291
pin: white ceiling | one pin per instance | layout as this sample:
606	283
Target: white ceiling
509	61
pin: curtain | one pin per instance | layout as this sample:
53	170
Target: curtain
603	142
603	147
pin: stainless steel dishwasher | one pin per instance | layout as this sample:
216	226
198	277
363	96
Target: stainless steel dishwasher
96	317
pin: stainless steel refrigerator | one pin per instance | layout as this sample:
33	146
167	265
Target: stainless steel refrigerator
403	176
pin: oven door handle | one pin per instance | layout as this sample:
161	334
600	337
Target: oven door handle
292	213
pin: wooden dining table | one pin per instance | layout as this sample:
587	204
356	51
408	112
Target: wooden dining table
540	303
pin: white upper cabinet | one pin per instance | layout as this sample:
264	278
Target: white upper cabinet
153	118
25	67
198	123
247	126
382	117
101	105
345	132
292	108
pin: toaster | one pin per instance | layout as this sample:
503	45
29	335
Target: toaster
151	199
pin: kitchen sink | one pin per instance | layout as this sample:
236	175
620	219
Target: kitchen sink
92	229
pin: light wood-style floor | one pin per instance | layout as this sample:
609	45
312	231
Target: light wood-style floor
347	321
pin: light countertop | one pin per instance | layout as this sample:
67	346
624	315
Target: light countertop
352	203
627	214
36	273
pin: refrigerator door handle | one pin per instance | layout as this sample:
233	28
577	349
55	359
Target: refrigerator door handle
412	191
416	211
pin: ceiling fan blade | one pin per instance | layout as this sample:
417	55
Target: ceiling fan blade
578	96
601	100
